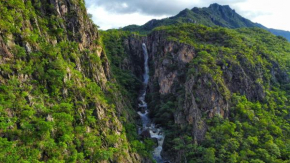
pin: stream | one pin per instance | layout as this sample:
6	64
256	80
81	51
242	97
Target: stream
155	132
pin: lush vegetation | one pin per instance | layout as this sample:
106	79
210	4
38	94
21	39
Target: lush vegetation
214	15
56	104
257	128
129	85
114	46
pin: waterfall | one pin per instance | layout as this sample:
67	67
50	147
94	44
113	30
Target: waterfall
155	132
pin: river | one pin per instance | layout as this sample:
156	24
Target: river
155	132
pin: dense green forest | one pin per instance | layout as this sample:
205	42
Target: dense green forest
57	102
68	92
214	15
256	129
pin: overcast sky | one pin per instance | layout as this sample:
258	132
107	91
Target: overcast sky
118	13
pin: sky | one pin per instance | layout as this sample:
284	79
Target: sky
108	14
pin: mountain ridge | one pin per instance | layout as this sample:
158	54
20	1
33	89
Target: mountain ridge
211	87
214	15
72	93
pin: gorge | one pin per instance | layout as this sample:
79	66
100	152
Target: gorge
184	74
147	125
180	92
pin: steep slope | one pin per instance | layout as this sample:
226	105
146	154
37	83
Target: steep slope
282	33
58	99
224	75
214	15
69	93
221	95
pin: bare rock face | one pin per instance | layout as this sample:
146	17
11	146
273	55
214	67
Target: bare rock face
166	81
174	57
199	96
145	134
170	60
135	60
4	49
192	112
83	30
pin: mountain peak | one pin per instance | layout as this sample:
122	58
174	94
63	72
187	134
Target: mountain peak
184	12
214	15
218	7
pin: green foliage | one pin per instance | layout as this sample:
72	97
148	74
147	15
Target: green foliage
214	15
114	47
54	103
54	109
256	127
129	85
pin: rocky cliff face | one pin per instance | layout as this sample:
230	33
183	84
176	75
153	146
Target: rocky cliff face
64	98
56	87
197	95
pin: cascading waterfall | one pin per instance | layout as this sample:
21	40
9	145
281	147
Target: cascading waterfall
146	122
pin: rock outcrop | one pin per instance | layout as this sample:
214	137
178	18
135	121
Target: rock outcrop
62	85
197	95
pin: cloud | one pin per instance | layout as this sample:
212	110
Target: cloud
119	13
154	7
272	14
108	20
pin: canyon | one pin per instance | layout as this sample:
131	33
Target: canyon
186	92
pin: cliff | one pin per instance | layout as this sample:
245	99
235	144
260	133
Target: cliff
59	101
69	93
205	82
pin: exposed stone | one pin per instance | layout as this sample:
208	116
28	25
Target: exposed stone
4	49
72	18
201	95
49	118
145	134
166	81
88	129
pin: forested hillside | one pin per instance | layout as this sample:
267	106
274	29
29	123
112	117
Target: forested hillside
59	101
214	15
221	95
70	92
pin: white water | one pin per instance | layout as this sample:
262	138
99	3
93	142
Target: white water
154	131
